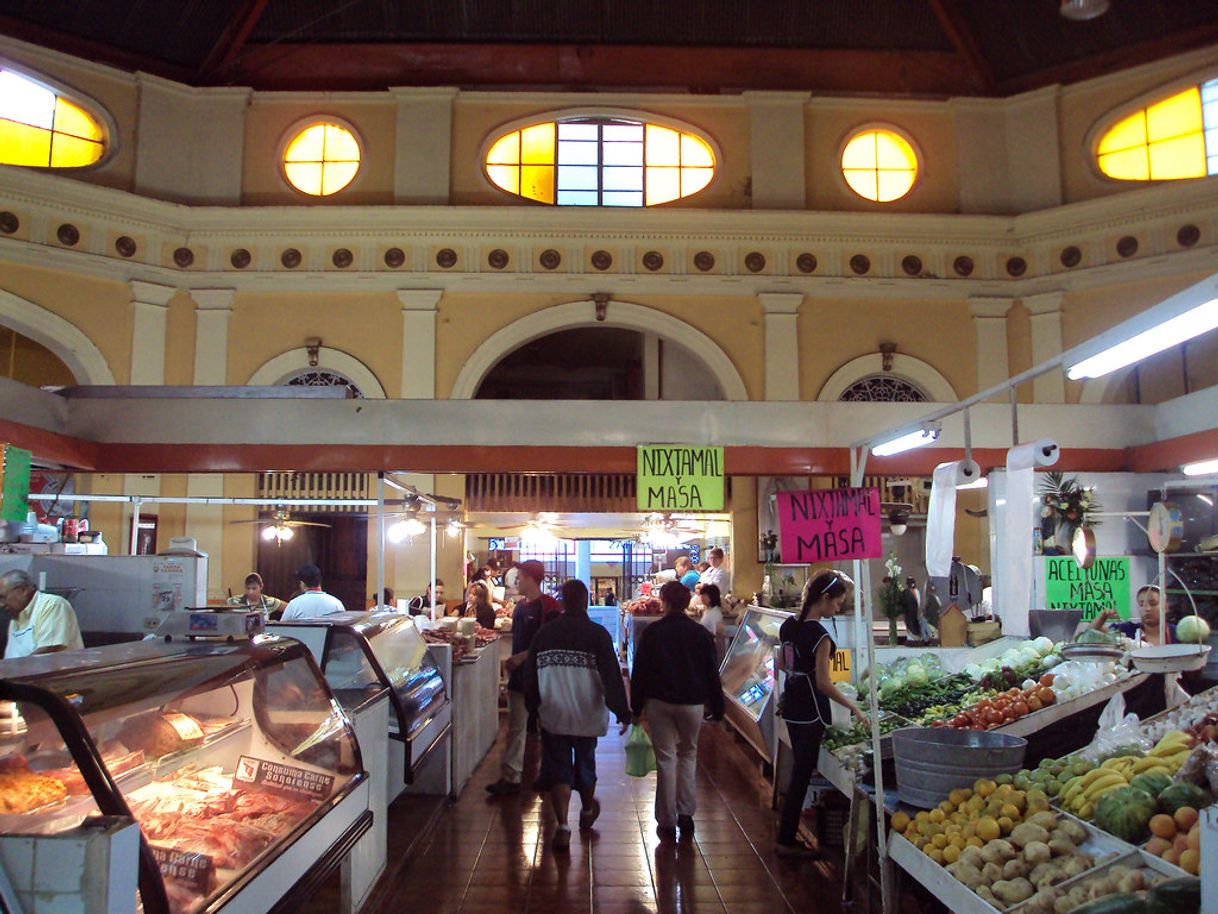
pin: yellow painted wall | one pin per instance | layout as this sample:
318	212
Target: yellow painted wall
478	119
28	361
827	128
938	332
267	128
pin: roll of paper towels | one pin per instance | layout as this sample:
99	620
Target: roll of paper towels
941	514
1042	453
1015	594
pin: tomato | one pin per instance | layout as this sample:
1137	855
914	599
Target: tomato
1034	704
1012	692
1047	696
1047	679
961	720
1020	708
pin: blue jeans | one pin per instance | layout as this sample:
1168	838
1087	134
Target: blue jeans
569	760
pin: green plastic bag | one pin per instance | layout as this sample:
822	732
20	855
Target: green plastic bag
640	756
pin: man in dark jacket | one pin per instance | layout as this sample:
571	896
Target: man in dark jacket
676	674
572	681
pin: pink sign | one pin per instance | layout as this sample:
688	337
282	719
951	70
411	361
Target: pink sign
828	525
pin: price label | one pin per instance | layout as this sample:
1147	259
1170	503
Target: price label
187	867
185	726
839	666
272	777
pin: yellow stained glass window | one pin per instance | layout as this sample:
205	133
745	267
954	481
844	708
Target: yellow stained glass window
600	162
1170	140
322	159
879	165
40	128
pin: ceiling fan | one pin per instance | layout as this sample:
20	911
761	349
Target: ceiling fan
279	526
668	531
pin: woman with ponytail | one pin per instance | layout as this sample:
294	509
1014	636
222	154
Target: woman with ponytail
806	652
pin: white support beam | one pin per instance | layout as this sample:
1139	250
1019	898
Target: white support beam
780	312
990	323
419	342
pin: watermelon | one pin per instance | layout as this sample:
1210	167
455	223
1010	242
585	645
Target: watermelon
1175	896
1113	904
1125	813
1153	782
1178	795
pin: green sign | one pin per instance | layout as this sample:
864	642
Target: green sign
15	473
680	477
1105	585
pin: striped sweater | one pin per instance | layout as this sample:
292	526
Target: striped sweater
572	677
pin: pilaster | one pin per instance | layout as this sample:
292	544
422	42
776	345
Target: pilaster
780	312
990	323
778	149
424	144
419	342
1045	311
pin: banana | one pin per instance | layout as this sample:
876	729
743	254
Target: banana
1113	762
1093	792
1148	763
1086	811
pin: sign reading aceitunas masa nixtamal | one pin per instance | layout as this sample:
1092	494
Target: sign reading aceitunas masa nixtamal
680	477
1105	585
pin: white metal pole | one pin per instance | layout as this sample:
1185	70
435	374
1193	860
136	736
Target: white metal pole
433	565
135	525
380	539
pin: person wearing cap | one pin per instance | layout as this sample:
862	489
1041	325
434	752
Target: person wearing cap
532	611
314	602
40	623
254	598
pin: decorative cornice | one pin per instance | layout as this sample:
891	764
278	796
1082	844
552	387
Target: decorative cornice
990	307
151	293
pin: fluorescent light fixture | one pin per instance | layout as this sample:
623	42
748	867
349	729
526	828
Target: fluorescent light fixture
906	442
1202	468
405	529
981	482
1205	498
1174	320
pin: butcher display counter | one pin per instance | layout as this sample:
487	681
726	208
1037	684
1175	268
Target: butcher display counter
363	653
748	680
235	758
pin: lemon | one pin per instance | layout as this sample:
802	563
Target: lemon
951	854
900	821
969	830
937	816
935	854
939	841
1010	811
956	797
975	842
984	788
987	829
923	816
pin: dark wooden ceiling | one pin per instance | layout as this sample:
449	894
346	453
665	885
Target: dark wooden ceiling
896	47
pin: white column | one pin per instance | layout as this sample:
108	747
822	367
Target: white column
781	314
583	566
149	305
206	522
1045	312
651	367
778	148
990	322
423	145
419	342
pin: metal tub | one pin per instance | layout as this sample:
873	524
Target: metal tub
933	761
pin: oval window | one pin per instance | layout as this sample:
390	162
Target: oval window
321	158
879	165
1171	139
40	127
600	161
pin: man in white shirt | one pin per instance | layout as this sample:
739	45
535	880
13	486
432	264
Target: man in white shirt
41	623
314	602
716	574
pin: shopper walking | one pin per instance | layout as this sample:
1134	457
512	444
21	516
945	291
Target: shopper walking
806	652
531	611
313	602
572	681
675	677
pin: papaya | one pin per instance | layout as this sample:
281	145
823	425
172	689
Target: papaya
1175	896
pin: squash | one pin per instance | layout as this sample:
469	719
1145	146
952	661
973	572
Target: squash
1178	795
1125	812
1113	904
1153	782
1175	896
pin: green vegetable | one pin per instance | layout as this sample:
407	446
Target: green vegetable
1153	782
1175	896
1192	630
1113	904
1125	813
1178	795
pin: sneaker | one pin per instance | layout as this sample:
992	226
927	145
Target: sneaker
796	851
562	838
667	832
589	815
502	788
686	824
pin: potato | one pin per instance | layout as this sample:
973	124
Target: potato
1074	866
972	856
1042	902
1046	819
1135	881
1063	905
997	851
1036	852
1026	832
1068	828
984	893
967	874
1015	868
1060	846
991	873
1013	891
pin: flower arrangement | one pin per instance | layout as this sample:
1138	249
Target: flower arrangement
1065	505
888	595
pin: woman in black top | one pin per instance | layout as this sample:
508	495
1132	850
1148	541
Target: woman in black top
805	656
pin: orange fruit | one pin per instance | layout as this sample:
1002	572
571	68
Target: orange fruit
1186	817
1163	826
1190	862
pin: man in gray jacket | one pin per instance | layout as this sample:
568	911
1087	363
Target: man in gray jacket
572	682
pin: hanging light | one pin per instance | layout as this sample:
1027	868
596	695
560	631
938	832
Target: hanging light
1081	10
1201	468
905	442
454	527
538	536
404	529
280	533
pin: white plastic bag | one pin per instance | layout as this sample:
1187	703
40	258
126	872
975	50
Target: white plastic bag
1115	731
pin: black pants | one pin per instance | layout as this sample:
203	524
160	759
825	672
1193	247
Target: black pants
805	749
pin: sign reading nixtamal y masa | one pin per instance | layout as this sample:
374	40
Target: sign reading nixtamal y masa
828	525
680	477
1105	585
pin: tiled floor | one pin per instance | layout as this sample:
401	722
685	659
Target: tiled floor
491	855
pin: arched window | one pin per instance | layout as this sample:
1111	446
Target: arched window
1172	138
321	157
885	388
600	160
316	377
879	164
41	126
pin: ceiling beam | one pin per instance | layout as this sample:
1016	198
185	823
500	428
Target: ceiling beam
592	67
964	41
233	38
95	51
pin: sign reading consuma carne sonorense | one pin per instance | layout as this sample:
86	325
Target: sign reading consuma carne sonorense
825	525
680	477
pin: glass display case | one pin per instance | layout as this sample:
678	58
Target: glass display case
228	756
748	679
362	654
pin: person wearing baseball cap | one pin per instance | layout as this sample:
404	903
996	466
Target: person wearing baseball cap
532	611
314	602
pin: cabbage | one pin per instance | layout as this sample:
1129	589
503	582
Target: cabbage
993	665
1192	630
974	671
1028	656
915	673
1052	660
1043	645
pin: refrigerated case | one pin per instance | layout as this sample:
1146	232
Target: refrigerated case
748	677
360	655
236	760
